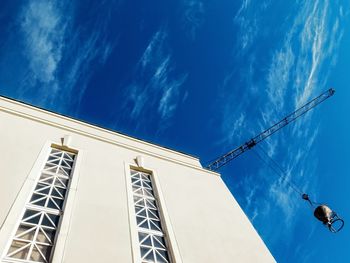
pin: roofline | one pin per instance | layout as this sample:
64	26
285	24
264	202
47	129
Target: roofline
97	126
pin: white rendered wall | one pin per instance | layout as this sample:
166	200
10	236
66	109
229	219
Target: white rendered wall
207	223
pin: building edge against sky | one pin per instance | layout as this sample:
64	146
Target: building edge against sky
118	199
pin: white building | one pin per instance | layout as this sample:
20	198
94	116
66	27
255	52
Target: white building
72	192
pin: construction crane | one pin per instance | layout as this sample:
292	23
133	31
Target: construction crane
226	158
322	212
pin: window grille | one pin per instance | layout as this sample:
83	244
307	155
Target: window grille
34	239
152	240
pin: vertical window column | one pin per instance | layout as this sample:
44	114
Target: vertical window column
34	239
152	240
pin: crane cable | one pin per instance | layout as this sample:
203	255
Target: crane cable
281	173
321	210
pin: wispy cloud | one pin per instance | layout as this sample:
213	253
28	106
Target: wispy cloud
319	39
193	16
153	50
58	55
169	98
93	51
278	77
235	125
156	87
44	29
296	73
236	114
281	194
247	26
298	69
247	18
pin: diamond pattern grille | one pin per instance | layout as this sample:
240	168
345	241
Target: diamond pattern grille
151	236
35	236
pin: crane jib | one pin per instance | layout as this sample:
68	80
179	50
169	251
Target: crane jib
221	161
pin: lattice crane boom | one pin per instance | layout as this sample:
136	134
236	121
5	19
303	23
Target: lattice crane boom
224	159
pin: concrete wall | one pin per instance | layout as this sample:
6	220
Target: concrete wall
206	222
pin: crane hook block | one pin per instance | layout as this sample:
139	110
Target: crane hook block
305	197
329	218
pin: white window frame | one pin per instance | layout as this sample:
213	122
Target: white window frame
21	202
167	229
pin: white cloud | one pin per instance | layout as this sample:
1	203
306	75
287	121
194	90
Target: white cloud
155	88
279	77
161	73
282	194
319	39
249	188
314	35
235	122
106	51
93	50
248	18
170	98
238	124
153	49
59	56
185	96
297	71
139	98
44	29
234	126
247	26
314	43
193	16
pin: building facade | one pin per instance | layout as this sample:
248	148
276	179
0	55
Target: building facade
73	192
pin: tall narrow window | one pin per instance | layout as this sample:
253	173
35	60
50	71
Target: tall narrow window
34	239
152	241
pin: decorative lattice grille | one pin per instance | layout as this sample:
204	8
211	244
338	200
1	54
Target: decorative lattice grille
35	236
151	235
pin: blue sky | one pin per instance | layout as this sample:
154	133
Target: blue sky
203	77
